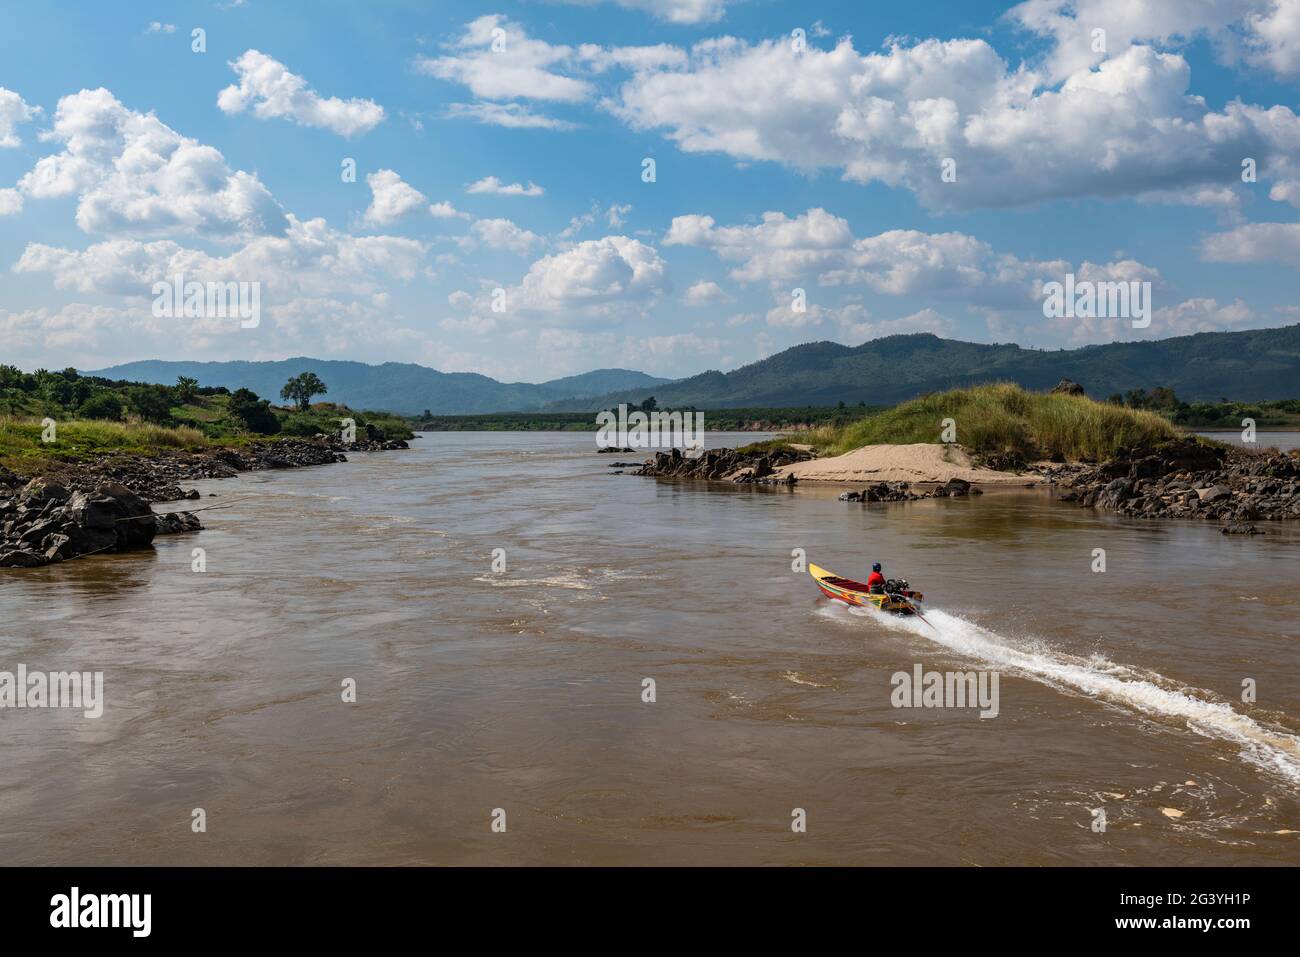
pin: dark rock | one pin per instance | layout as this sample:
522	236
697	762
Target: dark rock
21	558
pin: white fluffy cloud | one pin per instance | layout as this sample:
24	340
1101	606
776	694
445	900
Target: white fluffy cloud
520	68
497	61
310	259
490	184
594	276
818	245
1255	242
504	234
445	210
11	202
1127	127
13	111
268	88
134	174
1261	33
705	293
391	198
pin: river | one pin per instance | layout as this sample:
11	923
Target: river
517	695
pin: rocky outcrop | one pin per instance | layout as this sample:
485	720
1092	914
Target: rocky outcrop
906	492
1188	479
726	465
46	523
1068	387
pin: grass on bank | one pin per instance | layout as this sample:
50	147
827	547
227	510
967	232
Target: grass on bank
1004	418
204	425
22	450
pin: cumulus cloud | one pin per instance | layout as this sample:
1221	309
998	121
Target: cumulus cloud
133	173
159	27
391	198
520	67
496	60
490	184
1261	33
445	210
269	90
1126	127
310	259
1202	314
13	111
594	276
705	293
819	245
504	234
1255	242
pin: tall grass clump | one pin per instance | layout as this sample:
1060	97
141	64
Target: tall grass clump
20	438
1004	418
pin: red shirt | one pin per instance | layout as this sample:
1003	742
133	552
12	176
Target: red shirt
876	579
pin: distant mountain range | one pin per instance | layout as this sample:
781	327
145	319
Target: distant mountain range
1255	364
393	387
1250	365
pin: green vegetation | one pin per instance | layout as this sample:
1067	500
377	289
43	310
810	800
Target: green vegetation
1004	418
1269	413
94	415
301	388
768	446
22	450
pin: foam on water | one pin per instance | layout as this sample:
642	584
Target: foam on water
1149	693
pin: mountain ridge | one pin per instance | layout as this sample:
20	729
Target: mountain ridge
1247	365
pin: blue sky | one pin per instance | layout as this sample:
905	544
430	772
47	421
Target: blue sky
499	221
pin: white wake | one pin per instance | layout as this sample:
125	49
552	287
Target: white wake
1154	695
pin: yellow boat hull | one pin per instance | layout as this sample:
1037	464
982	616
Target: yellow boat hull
856	593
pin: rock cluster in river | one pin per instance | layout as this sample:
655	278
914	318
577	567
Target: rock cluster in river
726	465
904	492
45	523
1188	479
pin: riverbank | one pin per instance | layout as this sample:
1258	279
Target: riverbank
913	463
72	508
1181	478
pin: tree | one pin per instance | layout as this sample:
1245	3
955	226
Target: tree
301	388
151	402
185	388
255	414
102	405
649	405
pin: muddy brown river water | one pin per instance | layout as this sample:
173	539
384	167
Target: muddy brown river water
522	690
